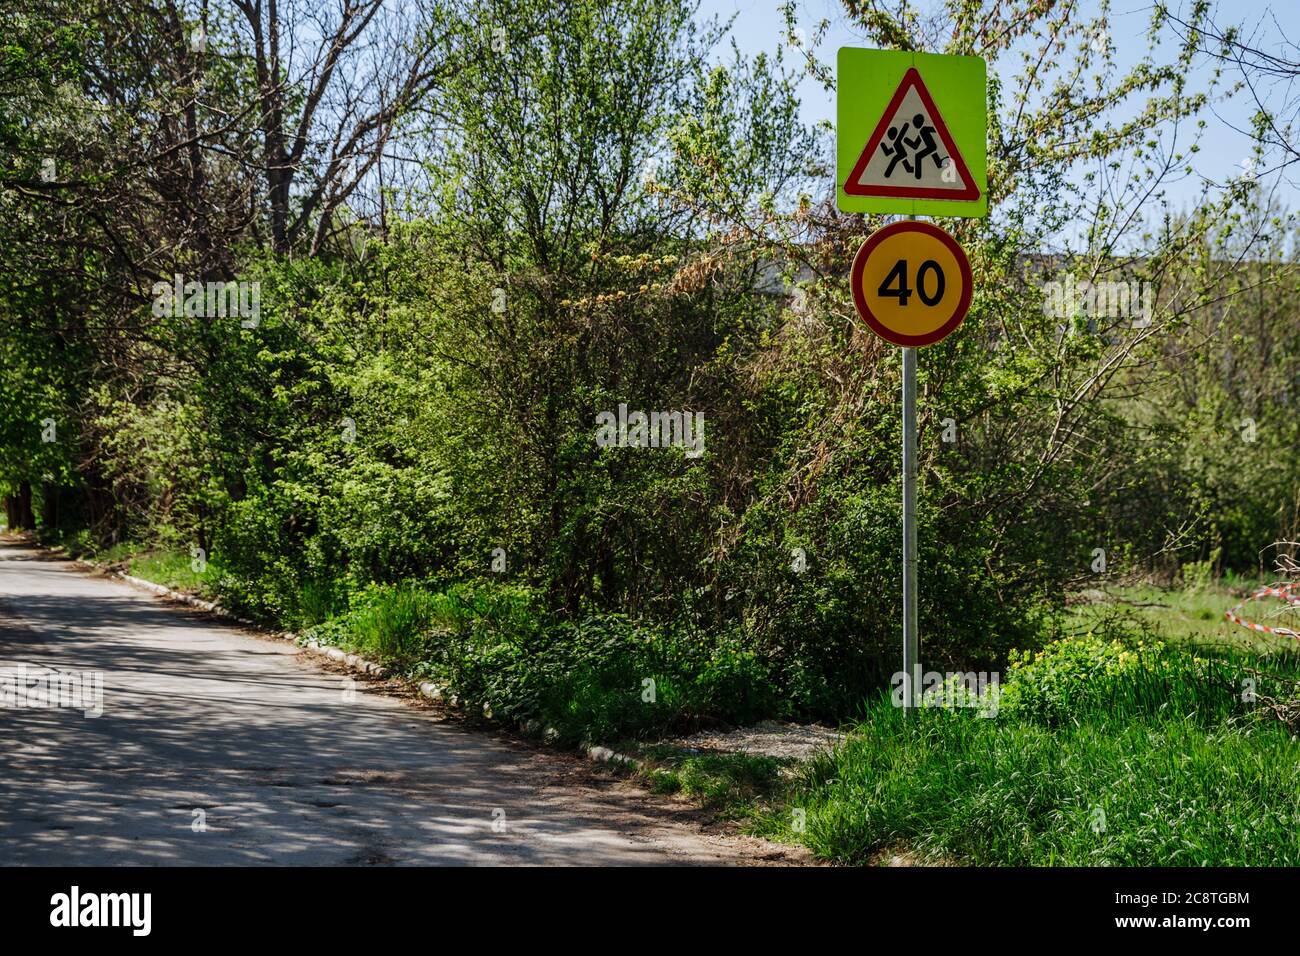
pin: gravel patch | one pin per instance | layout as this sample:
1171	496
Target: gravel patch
770	738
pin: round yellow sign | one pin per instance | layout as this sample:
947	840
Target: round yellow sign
911	283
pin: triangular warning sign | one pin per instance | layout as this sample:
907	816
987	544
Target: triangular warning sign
911	154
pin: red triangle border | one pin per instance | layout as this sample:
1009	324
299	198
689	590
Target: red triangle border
853	188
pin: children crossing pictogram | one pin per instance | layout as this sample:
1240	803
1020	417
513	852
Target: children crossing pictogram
911	154
901	143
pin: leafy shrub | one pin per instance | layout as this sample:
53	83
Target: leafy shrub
1199	575
601	679
832	630
605	678
1076	679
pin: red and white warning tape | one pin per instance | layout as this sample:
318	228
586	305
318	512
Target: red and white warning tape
1284	591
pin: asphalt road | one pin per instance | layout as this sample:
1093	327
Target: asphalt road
217	746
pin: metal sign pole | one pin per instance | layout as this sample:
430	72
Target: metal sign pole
911	644
911	640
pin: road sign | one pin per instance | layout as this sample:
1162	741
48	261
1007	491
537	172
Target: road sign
911	283
911	154
911	133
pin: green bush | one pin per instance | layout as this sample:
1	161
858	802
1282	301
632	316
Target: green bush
1079	679
606	678
602	679
1199	575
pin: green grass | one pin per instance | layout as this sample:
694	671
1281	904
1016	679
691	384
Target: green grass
394	625
732	784
173	569
1182	615
316	603
952	787
1092	678
122	551
1102	752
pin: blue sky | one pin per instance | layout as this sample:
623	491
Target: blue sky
1223	149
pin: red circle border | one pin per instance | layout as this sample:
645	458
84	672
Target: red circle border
860	300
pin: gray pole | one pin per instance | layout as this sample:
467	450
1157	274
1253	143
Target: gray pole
911	639
911	643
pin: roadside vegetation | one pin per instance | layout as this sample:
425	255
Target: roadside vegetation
523	216
1101	755
733	784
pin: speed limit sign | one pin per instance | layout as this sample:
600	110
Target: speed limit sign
911	283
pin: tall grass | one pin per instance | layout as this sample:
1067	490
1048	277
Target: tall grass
393	622
175	569
316	602
953	787
1101	753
